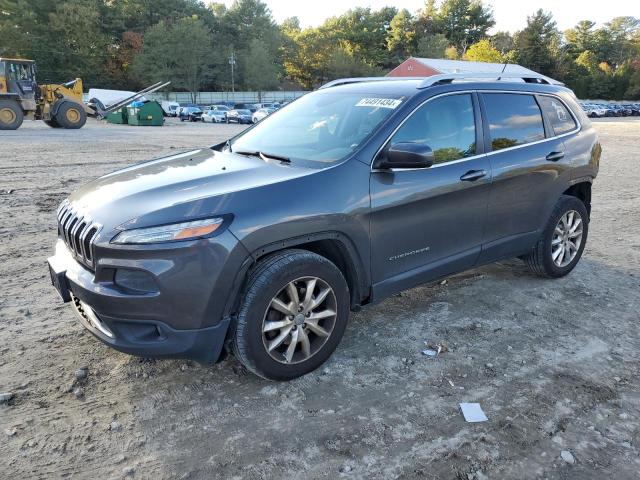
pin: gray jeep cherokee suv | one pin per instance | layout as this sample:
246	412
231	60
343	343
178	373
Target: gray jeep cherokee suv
263	244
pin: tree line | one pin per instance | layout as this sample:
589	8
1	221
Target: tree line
130	43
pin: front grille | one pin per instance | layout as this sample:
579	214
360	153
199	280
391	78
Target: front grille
78	232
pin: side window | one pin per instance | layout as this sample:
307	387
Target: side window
445	124
514	119
560	118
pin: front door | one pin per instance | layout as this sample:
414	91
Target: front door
429	222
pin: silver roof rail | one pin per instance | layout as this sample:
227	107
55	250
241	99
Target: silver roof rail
450	77
524	76
346	81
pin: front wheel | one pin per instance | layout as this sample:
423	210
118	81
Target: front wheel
293	315
562	242
70	115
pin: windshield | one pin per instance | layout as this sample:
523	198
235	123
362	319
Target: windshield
243	112
20	72
322	126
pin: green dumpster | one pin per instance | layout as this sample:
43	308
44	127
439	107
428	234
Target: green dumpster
147	114
118	117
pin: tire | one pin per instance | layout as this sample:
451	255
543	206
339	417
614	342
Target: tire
52	123
11	115
541	258
71	116
269	280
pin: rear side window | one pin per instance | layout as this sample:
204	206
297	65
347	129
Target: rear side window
446	125
560	118
514	119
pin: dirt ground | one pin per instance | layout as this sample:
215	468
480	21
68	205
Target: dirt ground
554	363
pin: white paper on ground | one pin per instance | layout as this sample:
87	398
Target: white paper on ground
472	412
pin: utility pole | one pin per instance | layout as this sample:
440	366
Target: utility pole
232	62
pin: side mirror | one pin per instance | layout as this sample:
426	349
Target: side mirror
406	155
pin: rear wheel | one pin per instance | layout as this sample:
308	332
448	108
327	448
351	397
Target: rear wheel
70	115
11	115
293	315
563	240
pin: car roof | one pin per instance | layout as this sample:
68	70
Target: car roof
412	87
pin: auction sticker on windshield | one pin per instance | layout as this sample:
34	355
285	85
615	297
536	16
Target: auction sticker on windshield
379	102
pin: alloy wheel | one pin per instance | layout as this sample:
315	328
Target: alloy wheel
567	238
299	320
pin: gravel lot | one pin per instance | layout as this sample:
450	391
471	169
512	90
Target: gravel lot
554	364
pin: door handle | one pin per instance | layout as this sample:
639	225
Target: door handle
473	175
555	156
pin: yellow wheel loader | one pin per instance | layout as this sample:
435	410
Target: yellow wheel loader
60	106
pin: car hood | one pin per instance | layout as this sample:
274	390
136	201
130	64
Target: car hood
193	184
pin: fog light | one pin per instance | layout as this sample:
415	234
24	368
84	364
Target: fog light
137	280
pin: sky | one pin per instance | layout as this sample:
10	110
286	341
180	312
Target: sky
510	15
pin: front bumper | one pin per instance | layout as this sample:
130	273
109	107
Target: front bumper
153	339
184	315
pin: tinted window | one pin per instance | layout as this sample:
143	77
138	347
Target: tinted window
514	119
560	118
445	124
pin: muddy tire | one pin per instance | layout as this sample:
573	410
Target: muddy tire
562	242
11	115
70	115
293	314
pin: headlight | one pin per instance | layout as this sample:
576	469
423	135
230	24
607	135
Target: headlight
169	233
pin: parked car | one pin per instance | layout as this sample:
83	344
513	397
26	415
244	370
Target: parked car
220	108
190	114
170	109
245	106
262	113
594	111
272	105
239	116
263	243
214	116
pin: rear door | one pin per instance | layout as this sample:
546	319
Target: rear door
429	222
529	167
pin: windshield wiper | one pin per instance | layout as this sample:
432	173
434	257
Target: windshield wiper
264	156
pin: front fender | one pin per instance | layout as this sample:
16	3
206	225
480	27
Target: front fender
329	204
